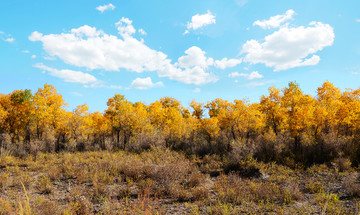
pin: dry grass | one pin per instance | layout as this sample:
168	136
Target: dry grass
166	182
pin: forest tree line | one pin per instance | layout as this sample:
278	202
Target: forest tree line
286	126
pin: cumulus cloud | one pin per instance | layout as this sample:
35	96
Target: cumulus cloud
35	36
290	47
275	21
141	31
250	76
49	57
191	68
195	57
68	75
93	49
125	27
33	56
200	20
145	83
6	37
103	8
227	63
10	39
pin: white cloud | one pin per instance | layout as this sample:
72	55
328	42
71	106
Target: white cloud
195	57
290	47
141	31
84	31
26	51
275	21
191	68
103	8
93	49
33	56
227	63
186	32
252	75
357	20
125	27
199	21
68	75
10	40
35	36
145	83
49	57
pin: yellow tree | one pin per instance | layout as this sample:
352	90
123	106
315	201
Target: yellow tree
197	109
125	117
299	111
194	123
274	112
99	128
247	118
167	116
223	111
18	107
211	128
48	111
3	112
328	104
349	112
79	123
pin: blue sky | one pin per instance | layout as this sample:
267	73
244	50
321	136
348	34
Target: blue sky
145	50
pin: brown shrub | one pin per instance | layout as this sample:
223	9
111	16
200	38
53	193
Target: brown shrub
78	203
5	207
343	164
291	193
269	146
44	185
352	184
45	207
196	179
179	193
199	193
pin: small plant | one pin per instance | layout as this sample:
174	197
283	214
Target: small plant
314	187
4	180
44	206
44	185
5	207
196	179
79	204
352	185
24	206
199	193
329	203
